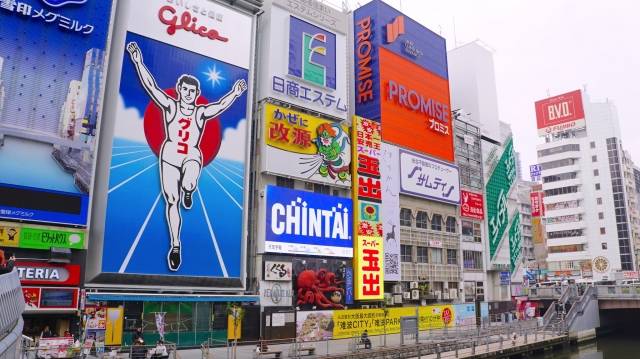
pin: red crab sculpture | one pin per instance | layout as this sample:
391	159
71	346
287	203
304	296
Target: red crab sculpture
312	287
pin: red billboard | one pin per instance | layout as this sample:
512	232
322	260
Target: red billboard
560	113
471	205
537	208
36	273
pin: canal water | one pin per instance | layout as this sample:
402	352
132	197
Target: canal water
614	345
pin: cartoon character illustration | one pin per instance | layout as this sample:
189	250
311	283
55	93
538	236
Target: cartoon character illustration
180	156
333	146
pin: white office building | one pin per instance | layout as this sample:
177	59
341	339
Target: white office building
587	217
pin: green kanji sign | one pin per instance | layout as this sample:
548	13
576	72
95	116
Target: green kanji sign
497	192
515	241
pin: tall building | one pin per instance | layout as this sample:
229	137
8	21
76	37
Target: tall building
473	88
587	216
92	77
518	166
70	115
631	188
468	140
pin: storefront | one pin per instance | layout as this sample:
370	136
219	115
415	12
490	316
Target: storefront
187	320
51	294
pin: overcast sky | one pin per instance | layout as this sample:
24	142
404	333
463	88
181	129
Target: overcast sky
547	46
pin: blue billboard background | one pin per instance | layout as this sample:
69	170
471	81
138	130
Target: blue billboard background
46	52
284	196
136	237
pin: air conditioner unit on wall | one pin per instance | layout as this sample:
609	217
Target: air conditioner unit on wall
397	288
308	186
438	294
406	295
453	293
413	285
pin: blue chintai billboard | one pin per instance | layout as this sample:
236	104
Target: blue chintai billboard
175	197
301	222
52	67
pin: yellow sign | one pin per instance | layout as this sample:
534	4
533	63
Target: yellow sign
536	230
9	236
368	254
234	325
113	334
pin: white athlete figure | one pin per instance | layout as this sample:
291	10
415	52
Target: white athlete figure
180	156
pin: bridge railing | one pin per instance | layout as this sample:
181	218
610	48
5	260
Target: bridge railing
580	306
11	308
618	292
546	292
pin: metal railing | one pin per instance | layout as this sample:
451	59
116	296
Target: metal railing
11	308
579	306
618	292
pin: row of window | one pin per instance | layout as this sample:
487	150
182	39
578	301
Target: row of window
471	230
559	149
561	190
423	221
568	248
428	255
472	260
559	177
562	205
558	163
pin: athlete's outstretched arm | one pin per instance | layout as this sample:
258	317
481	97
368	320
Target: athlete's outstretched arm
213	109
148	82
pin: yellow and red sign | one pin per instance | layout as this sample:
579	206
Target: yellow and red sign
368	256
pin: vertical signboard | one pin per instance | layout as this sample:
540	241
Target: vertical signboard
472	205
52	70
560	113
176	181
390	171
302	65
535	172
515	241
536	204
368	259
305	146
497	190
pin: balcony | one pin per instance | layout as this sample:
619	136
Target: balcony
419	236
431	272
568	256
559	170
564	211
564	197
562	183
565	226
566	241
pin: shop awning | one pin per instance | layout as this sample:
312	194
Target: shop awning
144	297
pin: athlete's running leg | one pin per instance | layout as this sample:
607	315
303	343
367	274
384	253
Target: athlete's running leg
170	178
190	173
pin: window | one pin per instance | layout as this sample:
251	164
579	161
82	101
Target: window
477	232
452	256
466	228
423	255
596	172
594	158
603	230
422	221
560	177
472	260
284	182
559	149
451	225
436	222
558	163
560	191
565	233
604	246
321	188
405	253
592	144
405	217
600	215
599	200
567	248
597	186
436	255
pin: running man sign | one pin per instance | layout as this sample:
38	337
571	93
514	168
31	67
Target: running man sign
176	180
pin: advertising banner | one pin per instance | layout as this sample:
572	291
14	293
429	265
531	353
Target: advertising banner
340	324
115	319
472	205
560	113
536	230
367	197
40	237
424	177
301	222
465	314
389	172
276	294
278	271
35	273
536	204
306	146
50	298
535	171
322	283
179	142
505	278
51	88
301	65
515	242
497	190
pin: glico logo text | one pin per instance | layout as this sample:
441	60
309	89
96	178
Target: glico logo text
186	22
414	101
364	73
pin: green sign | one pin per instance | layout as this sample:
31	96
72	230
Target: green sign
497	191
515	241
42	238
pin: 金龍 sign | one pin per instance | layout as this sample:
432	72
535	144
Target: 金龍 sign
306	146
367	197
472	205
429	178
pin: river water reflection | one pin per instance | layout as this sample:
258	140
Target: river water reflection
618	345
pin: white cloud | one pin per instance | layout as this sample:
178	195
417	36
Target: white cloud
234	142
129	123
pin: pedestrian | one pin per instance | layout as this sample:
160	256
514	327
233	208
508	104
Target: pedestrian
46	332
3	263
138	335
364	339
514	337
11	262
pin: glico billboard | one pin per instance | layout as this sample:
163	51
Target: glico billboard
401	80
175	148
560	113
